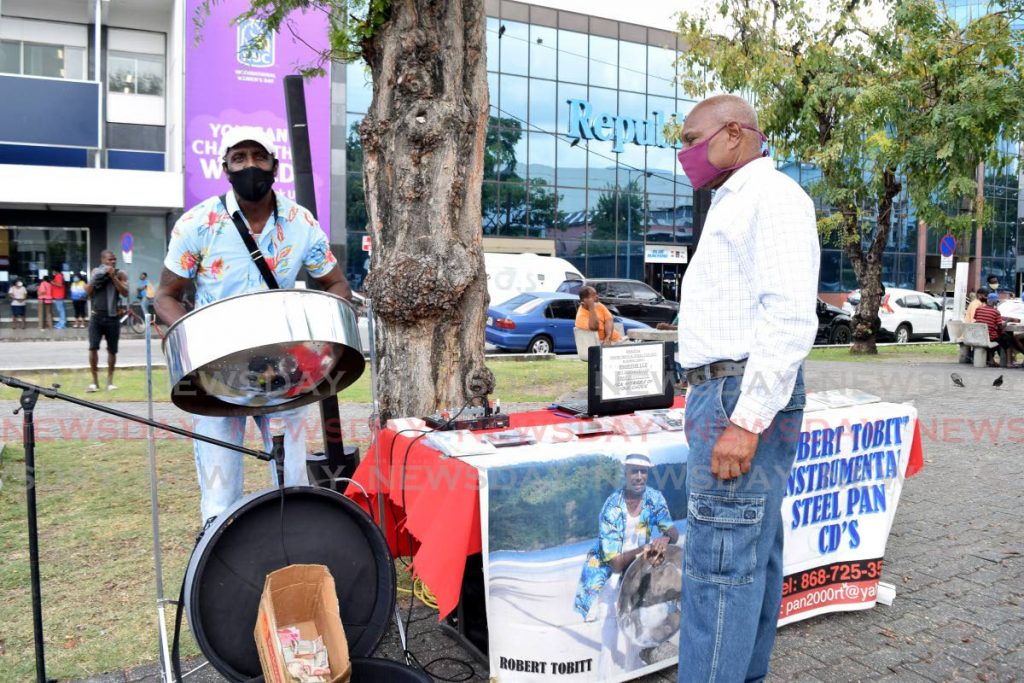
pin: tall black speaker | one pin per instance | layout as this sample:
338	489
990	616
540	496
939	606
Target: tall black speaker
305	195
298	132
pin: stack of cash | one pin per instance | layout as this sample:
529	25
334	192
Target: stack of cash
306	660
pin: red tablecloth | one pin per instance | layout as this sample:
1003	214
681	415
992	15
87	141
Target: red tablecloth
436	500
432	504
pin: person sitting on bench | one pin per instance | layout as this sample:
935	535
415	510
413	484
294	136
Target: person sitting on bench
595	316
997	332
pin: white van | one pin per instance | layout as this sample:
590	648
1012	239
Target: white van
511	274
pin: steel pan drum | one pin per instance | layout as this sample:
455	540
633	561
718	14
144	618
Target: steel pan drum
263	352
648	606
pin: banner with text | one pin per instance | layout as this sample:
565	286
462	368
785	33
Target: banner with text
553	516
839	507
235	77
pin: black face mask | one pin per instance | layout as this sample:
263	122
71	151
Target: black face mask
251	184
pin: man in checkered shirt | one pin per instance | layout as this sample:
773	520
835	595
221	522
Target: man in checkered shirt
743	351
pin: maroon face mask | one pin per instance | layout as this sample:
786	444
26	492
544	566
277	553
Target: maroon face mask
698	167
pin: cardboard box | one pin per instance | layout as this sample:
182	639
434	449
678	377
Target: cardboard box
301	595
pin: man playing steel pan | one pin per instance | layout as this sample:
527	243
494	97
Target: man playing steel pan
207	248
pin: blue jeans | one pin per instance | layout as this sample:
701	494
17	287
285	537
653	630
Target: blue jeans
62	320
220	471
732	565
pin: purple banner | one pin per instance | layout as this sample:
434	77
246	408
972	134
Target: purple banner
228	83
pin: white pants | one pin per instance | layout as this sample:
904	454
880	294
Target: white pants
221	471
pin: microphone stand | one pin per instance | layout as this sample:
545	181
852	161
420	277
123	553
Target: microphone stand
30	394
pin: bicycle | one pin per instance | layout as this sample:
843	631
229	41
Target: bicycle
134	320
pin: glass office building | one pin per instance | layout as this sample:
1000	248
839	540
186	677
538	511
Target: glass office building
575	165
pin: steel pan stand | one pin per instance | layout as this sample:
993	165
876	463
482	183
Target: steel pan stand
161	602
30	393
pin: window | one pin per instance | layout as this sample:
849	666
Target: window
618	289
571	284
603	61
10	57
910	301
632	66
523	304
134	73
42	59
515	47
643	292
543	51
572	56
561	310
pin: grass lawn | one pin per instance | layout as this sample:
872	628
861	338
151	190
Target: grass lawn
517	382
95	554
935	352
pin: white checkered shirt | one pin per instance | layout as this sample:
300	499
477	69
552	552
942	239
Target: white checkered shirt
751	289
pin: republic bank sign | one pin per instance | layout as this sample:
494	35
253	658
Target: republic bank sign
621	130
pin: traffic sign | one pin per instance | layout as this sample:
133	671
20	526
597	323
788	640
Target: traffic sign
367	243
127	246
947	245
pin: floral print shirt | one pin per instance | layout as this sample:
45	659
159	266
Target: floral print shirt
611	535
206	247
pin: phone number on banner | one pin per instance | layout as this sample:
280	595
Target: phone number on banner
839	572
840	583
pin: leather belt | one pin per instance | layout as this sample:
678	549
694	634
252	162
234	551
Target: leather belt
716	370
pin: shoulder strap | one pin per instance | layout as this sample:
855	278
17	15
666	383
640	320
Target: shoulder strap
250	244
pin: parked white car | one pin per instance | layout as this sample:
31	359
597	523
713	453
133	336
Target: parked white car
905	313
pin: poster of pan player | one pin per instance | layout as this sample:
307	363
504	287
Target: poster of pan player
586	587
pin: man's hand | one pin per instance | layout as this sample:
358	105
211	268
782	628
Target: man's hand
654	552
733	452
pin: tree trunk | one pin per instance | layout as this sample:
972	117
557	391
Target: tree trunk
867	266
423	143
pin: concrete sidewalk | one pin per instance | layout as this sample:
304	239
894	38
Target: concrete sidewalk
956	553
